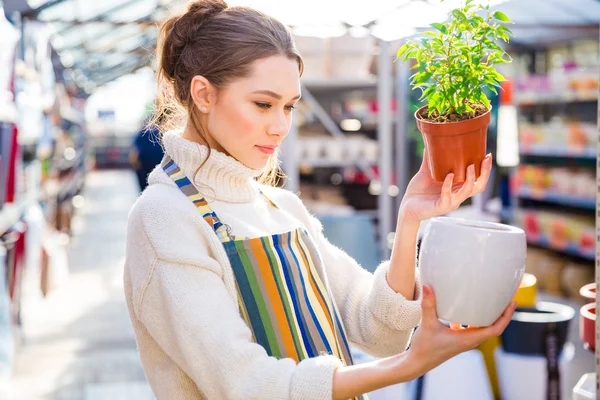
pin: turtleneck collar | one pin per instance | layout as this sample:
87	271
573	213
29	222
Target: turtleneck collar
221	178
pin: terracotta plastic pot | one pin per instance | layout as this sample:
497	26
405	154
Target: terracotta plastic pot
453	146
588	291
587	325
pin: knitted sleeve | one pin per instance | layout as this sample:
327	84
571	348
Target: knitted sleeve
192	332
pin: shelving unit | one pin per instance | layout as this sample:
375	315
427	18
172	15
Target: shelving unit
557	198
554	190
589	153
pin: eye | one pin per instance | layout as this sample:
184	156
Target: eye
290	108
265	106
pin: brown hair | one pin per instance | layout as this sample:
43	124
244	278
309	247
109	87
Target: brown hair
219	43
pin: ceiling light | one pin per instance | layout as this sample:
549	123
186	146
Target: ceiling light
350	125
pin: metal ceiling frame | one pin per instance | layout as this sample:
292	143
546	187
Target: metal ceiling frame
129	69
97	18
108	32
35	12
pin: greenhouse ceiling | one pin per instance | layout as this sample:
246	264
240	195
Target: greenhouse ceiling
104	40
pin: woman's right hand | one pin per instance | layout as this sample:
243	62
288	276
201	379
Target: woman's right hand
434	343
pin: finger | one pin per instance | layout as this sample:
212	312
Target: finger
425	161
467	188
428	306
486	169
502	322
446	195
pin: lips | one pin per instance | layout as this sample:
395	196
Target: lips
267	149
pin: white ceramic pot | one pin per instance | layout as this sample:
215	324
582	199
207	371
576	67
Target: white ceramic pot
473	267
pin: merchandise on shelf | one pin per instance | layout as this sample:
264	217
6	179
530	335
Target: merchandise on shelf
558	86
571	186
331	151
571	234
558	136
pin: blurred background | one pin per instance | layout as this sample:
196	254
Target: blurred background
77	87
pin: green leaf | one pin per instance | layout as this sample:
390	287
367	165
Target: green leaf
409	54
440	27
485	101
500	16
422	77
403	49
505	30
440	108
458	14
427	92
499	77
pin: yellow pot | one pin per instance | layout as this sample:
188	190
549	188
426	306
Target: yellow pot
525	297
527	291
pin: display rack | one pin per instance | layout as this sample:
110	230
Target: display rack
554	187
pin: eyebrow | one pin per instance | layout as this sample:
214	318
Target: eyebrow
273	94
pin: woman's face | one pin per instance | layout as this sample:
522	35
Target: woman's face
251	116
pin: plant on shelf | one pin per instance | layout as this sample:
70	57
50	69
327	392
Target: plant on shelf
456	66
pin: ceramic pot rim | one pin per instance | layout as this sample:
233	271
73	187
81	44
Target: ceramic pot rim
588	291
543	313
468	224
586	313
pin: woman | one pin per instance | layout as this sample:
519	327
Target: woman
232	289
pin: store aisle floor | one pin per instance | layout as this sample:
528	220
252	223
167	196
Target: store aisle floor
79	345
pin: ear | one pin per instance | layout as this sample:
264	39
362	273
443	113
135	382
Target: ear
203	92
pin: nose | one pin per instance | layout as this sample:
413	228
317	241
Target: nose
280	125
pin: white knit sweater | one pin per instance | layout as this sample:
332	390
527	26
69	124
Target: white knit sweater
182	298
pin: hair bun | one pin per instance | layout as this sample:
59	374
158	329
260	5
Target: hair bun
204	9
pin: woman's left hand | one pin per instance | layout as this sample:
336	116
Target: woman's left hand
427	198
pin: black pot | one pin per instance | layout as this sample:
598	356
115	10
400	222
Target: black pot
531	329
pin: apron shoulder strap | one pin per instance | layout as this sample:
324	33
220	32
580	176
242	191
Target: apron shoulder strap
184	184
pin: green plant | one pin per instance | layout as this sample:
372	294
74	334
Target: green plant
456	62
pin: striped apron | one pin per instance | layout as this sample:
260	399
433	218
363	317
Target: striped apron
281	288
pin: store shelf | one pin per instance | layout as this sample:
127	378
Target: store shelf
574	98
554	151
558	198
326	163
339	83
542	241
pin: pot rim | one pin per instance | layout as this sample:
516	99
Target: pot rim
586	313
544	312
448	123
588	291
463	223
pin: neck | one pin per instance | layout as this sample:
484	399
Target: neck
193	135
216	175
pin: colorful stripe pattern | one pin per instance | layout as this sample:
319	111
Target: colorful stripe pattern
281	287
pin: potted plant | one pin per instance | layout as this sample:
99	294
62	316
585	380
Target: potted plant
455	66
